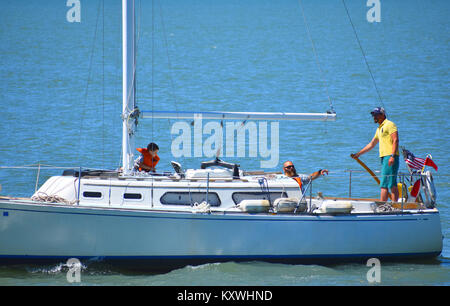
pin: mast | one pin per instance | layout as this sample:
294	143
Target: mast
128	84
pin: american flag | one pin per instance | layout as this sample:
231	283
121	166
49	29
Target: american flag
417	163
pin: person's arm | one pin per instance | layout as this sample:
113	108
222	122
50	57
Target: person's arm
367	148
318	173
394	137
155	161
145	167
137	162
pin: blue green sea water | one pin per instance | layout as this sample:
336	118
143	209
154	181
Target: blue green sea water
61	98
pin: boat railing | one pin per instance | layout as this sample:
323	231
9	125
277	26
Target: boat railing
426	194
46	171
357	180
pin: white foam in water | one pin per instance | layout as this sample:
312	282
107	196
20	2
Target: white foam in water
56	269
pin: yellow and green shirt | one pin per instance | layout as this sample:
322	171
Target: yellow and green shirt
383	134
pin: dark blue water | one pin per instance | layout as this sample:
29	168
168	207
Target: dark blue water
61	92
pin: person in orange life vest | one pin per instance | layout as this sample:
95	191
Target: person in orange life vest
289	170
148	159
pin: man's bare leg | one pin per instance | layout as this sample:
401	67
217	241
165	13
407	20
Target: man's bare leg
384	194
394	194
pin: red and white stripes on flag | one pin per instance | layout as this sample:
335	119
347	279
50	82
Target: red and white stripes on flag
418	163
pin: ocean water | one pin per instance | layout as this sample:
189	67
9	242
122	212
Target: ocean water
61	92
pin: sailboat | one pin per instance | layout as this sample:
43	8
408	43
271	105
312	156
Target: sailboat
213	214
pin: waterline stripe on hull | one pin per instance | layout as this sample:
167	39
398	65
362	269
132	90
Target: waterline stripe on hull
222	257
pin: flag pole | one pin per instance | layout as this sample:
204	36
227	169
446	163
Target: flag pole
418	196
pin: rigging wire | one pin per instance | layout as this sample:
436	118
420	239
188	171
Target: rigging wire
364	55
103	83
137	25
89	79
136	48
324	82
169	63
138	44
153	61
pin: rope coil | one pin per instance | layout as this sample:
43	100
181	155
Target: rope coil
43	197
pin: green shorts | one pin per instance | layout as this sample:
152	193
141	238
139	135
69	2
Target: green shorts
389	173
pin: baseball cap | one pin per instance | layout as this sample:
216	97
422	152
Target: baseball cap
378	110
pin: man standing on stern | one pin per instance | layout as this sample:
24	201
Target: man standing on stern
387	136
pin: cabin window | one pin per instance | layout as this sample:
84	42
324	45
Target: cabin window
92	194
239	196
132	196
189	198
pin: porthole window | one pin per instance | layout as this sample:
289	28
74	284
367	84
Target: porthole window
132	196
92	194
189	198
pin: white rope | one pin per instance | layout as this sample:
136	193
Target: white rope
386	207
43	197
203	207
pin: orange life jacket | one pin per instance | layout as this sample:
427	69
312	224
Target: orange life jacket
149	160
299	181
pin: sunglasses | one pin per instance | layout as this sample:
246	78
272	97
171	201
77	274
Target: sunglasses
289	167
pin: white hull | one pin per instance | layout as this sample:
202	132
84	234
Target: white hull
31	231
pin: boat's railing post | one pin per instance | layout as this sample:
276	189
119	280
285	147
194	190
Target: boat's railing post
207	187
37	177
264	185
402	179
79	187
153	179
310	194
304	197
350	185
